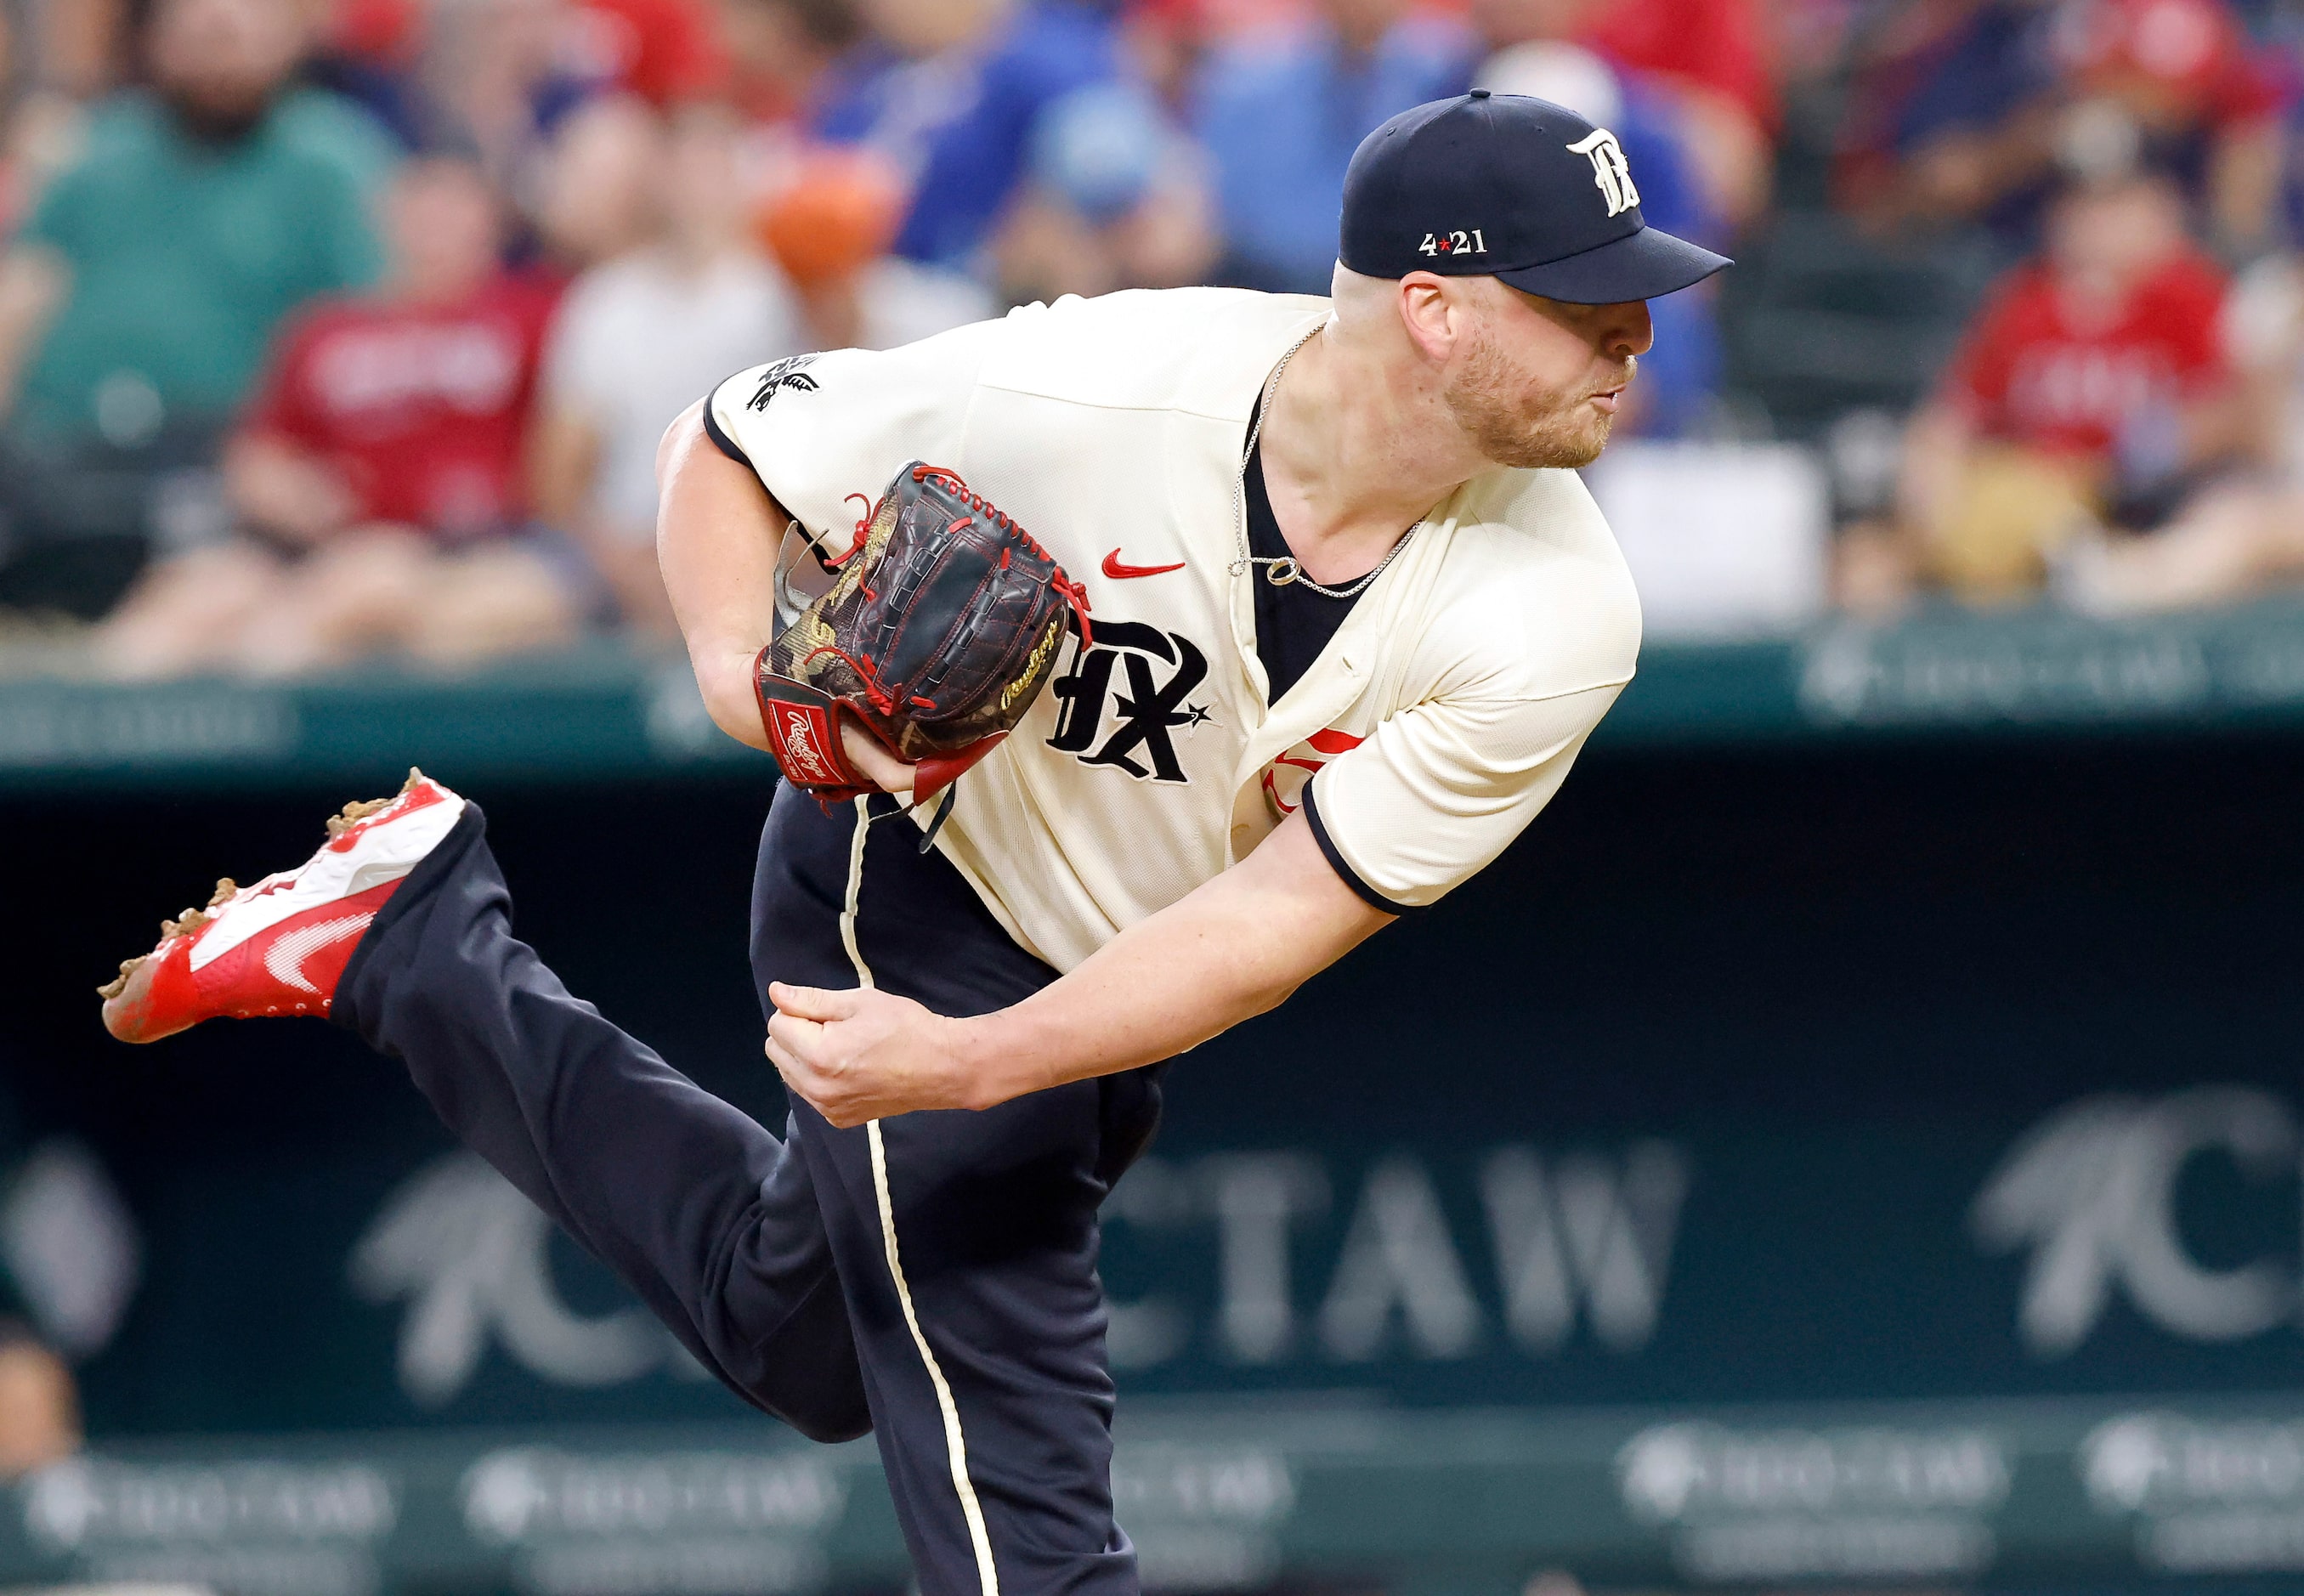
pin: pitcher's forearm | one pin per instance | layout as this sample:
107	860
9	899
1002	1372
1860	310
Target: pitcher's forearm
724	681
1158	990
1230	950
717	536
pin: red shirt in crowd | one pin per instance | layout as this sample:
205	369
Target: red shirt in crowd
1717	44
2028	375
422	410
666	51
2181	61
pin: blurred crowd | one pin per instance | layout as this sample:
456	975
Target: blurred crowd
2117	421
337	328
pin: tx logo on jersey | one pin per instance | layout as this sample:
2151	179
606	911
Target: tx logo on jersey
1122	701
787	373
1283	779
1610	173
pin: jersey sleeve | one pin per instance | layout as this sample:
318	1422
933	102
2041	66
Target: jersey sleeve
820	430
1440	789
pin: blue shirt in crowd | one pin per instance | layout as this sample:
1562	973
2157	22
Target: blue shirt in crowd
960	125
1280	119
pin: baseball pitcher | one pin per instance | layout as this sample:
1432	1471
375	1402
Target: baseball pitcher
1128	662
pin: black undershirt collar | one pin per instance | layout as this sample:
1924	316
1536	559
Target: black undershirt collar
1293	623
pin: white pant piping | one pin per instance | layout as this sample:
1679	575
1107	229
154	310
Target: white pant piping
956	1442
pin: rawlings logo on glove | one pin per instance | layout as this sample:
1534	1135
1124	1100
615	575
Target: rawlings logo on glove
803	735
936	639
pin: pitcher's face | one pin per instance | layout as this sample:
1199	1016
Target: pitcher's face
1539	380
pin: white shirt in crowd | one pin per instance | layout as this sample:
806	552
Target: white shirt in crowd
637	338
901	301
1436	724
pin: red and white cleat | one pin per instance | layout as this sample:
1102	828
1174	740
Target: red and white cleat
280	947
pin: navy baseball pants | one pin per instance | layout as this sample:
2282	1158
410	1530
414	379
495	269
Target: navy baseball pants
930	1279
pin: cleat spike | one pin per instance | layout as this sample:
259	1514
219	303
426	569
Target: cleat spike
354	814
119	983
186	923
226	888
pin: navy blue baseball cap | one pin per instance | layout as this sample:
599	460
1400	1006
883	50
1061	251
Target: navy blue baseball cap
1503	185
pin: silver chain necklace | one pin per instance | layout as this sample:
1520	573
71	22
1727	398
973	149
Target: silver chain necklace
1284	569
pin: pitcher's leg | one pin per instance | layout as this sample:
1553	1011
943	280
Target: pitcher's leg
966	1242
704	1214
967	1246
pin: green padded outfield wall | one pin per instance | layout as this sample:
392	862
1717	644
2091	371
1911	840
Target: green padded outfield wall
1757	1088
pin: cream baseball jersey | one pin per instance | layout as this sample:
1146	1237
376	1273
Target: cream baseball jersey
1436	725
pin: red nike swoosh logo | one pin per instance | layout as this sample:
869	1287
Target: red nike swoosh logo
1120	573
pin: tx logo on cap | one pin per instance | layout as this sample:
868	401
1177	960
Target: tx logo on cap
1610	173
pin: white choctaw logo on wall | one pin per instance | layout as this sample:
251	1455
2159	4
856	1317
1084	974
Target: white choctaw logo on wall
2093	1191
1612	174
1779	1504
1570	1237
471	1255
1304	1262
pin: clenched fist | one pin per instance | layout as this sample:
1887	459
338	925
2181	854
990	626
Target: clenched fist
864	1054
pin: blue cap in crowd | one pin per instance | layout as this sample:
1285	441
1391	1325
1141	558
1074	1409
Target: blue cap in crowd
1502	185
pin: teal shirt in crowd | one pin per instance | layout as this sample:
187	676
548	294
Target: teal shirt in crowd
185	257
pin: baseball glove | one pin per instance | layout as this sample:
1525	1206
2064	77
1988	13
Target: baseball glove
939	632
